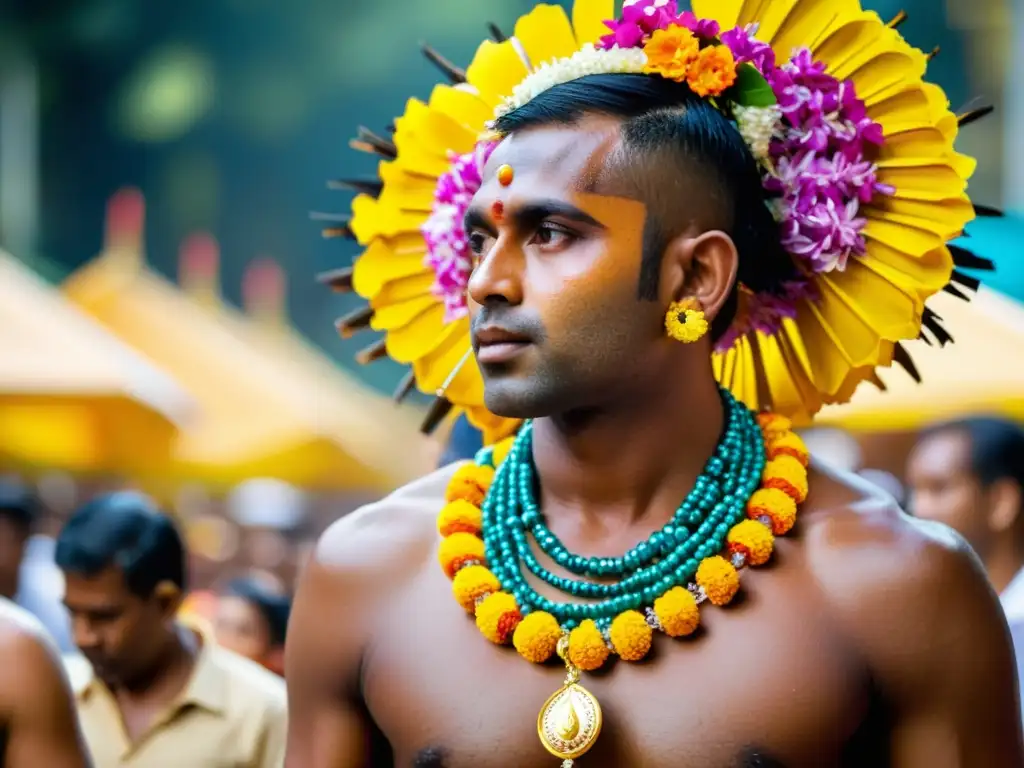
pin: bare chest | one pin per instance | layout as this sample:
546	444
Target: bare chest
767	676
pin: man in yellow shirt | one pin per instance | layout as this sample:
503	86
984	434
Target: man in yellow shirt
152	692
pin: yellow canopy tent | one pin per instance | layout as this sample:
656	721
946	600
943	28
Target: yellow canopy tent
72	396
252	422
981	372
372	426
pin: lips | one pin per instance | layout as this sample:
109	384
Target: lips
496	345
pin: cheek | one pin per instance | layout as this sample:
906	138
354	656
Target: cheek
585	284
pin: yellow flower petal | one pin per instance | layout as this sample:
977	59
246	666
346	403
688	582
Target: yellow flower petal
545	34
461	104
397	319
588	17
388	259
725	12
495	71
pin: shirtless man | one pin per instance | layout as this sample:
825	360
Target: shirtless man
872	639
38	726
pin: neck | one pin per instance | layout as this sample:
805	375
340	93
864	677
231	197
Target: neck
1003	563
636	460
171	670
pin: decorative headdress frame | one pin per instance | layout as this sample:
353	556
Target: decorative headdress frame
857	162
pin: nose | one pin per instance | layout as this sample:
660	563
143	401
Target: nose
497	278
86	637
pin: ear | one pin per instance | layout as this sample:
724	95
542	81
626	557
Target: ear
1004	505
169	597
701	268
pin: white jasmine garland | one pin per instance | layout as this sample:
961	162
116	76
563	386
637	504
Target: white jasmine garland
757	126
586	61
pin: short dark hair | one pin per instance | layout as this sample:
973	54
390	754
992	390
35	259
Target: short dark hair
274	608
996	446
124	530
667	131
18	505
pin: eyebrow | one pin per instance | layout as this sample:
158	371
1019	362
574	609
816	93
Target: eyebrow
529	215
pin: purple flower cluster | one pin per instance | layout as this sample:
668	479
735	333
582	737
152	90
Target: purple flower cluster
821	168
748	49
641	18
765	311
448	253
821	173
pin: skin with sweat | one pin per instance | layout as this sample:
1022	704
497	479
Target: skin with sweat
837	653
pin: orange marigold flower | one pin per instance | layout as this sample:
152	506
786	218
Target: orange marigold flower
457	550
718	578
472	583
459	516
788	444
630	635
712	72
775	504
497	617
469	483
752	539
536	637
772	423
587	649
788	475
501	450
677	612
670	52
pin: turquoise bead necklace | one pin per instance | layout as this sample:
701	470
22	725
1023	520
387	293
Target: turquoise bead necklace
668	558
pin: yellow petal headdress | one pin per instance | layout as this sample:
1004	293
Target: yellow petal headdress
849	318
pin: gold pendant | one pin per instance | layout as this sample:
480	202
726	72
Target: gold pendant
570	720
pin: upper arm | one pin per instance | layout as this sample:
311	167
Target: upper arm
43	724
934	636
359	561
322	658
953	681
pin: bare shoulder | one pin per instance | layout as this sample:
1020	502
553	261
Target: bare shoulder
361	561
897	584
388	536
35	659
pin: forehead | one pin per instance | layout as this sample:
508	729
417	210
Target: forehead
563	157
942	452
106	586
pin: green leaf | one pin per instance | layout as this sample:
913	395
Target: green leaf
750	88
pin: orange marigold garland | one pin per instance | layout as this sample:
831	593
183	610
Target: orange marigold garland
771	512
537	636
459	516
588	648
470	483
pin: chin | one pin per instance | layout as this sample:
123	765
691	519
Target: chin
519	399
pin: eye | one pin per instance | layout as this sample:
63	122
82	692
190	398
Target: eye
478	243
553	236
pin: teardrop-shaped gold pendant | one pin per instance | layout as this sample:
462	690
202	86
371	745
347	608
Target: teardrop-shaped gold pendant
570	720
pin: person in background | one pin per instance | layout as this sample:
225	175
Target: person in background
37	716
251	619
151	691
26	562
969	474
